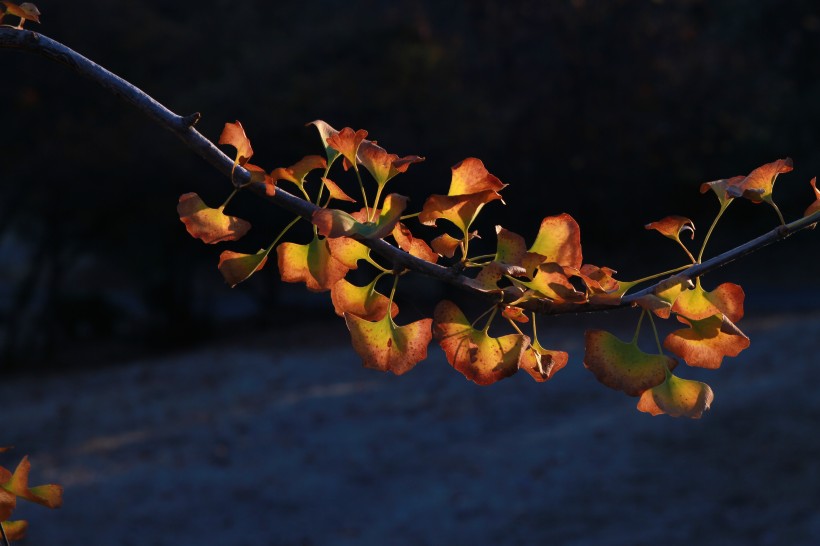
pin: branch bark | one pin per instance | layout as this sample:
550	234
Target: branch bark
183	127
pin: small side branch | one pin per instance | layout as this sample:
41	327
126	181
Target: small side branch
183	127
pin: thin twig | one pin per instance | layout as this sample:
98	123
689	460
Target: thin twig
182	126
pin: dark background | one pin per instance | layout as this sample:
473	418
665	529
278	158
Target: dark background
614	112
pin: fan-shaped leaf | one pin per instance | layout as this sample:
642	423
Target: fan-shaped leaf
348	251
336	223
336	192
311	263
50	495
326	132
720	187
347	142
706	341
445	245
25	11
233	134
542	363
759	183
699	304
385	346
412	245
672	226
297	172
814	207
678	398
236	267
209	224
15	530
559	241
382	165
363	301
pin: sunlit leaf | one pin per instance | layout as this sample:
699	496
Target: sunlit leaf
297	172
336	192
559	241
382	165
385	346
672	226
479	357
311	263
814	207
236	267
599	280
699	304
347	142
445	245
326	132
706	341
551	281
758	185
363	301
471	176
348	251
720	187
50	495
677	397
622	365
514	313
209	224
15	530
337	223
233	134
412	245
8	500
25	11
542	363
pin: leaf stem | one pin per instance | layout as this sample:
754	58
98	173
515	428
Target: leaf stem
482	315
364	194
228	200
655	331
779	214
490	320
657	275
322	186
408	216
282	234
376	202
638	328
376	279
723	208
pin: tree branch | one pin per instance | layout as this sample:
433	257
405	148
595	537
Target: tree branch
183	127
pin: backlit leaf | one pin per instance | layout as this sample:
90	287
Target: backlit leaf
759	183
412	245
385	346
347	142
471	176
479	357
363	301
236	267
209	224
551	281
699	304
311	263
514	313
559	241
348	251
336	192
326	132
672	226
382	165
445	245
297	172
25	11
678	398
720	187
814	207
233	134
337	223
706	342
623	366
15	530
542	363
50	495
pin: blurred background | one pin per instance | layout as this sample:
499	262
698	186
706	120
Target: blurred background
178	411
614	112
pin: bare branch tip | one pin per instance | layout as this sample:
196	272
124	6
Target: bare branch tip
191	119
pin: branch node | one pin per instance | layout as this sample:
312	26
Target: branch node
191	119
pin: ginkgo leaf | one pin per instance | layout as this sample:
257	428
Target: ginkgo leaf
50	496
479	357
236	267
363	301
757	186
814	207
510	246
348	251
233	134
551	281
412	245
297	172
15	530
559	241
326	132
311	263
445	245
622	365
514	313
385	346
337	223
699	304
347	142
209	224
677	397
672	226
706	342
8	500
258	175
471	176
542	363
336	192
382	165
25	11
720	187
599	280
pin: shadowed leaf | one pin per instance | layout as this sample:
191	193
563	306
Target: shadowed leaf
479	357
623	366
814	207
236	267
385	346
678	398
25	11
208	224
311	263
551	281
706	342
445	245
363	301
720	187
542	363
412	245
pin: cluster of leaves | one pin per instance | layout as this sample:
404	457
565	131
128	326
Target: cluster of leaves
14	485
25	12
550	270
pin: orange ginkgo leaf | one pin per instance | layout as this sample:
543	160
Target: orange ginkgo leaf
514	313
412	245
542	363
236	267
233	134
445	245
479	357
705	342
209	224
49	495
336	192
622	365
814	207
382	165
348	251
698	304
559	241
599	280
311	263
347	142
325	132
25	11
660	301
363	301
8	501
551	281
757	186
677	397
720	187
337	223
672	226
471	187
297	172
15	530
385	346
